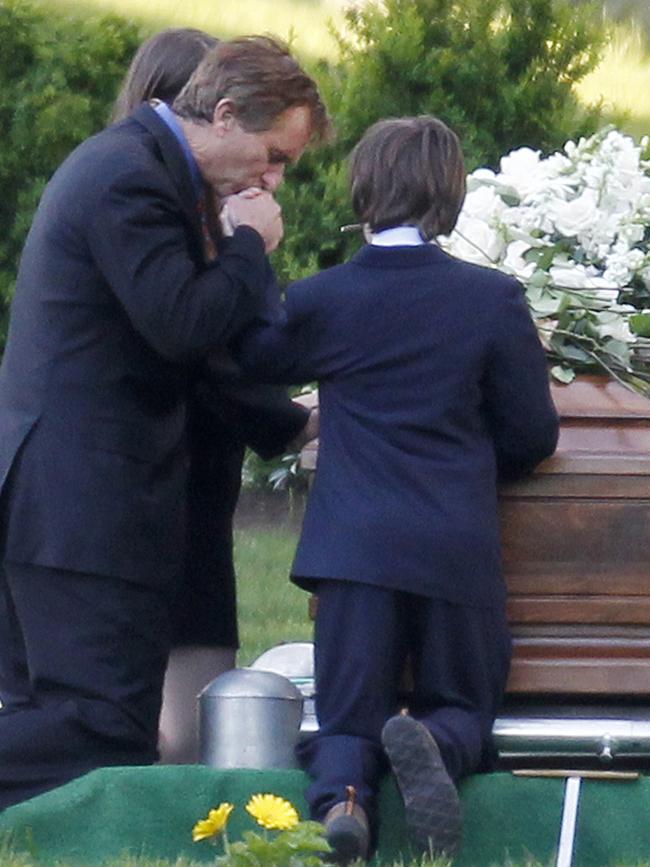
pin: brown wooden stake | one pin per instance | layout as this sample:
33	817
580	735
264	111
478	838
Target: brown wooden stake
351	800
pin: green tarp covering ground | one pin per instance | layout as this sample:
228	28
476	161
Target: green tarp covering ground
151	811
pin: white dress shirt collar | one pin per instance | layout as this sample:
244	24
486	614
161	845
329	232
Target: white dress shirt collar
398	236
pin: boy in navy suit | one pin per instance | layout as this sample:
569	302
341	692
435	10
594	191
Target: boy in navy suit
433	385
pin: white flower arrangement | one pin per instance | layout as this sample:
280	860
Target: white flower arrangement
574	228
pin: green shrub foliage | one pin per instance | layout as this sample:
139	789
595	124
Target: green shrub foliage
501	73
58	77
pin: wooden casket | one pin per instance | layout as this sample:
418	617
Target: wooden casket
576	555
576	550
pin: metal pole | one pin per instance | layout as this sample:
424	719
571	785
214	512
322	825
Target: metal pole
571	801
569	820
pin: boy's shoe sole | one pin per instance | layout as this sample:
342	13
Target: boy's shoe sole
431	803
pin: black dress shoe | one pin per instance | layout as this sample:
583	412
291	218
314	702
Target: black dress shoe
346	830
431	804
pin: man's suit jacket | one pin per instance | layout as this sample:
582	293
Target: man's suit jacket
113	315
431	380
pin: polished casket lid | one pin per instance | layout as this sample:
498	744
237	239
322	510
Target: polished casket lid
605	429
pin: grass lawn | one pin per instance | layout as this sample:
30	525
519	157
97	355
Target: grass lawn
24	861
622	81
8	858
305	23
17	860
271	609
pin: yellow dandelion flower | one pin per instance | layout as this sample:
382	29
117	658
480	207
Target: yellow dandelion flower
272	812
215	823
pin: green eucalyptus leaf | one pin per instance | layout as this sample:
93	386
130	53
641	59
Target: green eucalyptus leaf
640	385
533	292
541	256
562	374
640	324
565	302
548	304
539	279
571	352
619	350
510	197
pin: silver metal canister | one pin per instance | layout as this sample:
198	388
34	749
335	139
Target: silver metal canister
295	661
249	719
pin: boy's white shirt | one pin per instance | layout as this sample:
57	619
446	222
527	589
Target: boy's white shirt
398	236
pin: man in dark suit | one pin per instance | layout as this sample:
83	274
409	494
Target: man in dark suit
223	418
114	311
432	385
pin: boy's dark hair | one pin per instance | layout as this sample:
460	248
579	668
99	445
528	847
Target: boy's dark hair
161	67
408	171
260	77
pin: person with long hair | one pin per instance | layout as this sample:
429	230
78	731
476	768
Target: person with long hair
161	68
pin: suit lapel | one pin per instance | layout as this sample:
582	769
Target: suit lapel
175	160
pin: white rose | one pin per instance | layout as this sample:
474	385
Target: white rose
479	178
621	265
617	273
635	259
632	233
523	170
569	277
514	262
474	241
595	175
558	164
483	203
621	248
572	218
621	195
524	219
602	250
601	231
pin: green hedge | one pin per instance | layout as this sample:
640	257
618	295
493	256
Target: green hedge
500	72
58	77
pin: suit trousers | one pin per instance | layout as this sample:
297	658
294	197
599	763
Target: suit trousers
459	657
82	661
